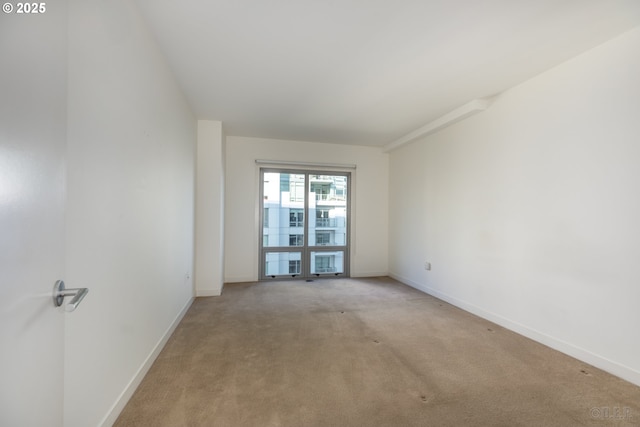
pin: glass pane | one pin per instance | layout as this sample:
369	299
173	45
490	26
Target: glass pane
327	262
327	210
282	263
283	213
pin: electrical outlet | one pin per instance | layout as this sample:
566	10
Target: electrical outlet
427	265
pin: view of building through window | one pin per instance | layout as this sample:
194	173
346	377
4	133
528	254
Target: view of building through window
306	212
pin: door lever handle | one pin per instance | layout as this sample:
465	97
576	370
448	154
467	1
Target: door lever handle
59	293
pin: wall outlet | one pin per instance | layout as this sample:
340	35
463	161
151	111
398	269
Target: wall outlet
427	265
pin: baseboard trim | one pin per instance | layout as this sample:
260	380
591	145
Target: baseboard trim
355	275
610	366
208	293
246	279
121	401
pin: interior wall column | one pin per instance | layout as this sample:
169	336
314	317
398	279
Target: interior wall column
209	221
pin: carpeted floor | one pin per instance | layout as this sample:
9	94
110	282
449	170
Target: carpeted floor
363	352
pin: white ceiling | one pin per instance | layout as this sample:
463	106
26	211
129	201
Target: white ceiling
365	72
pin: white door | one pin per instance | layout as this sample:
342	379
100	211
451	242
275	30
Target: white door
32	197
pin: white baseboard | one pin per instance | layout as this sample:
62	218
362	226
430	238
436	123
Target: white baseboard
208	292
610	366
245	279
126	394
357	274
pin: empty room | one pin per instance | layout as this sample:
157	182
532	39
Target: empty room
320	213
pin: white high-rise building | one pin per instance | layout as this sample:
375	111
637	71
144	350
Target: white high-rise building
284	222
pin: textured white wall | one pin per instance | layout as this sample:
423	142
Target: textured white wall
529	211
130	222
369	203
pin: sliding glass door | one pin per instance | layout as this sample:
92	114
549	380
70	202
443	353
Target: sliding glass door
305	224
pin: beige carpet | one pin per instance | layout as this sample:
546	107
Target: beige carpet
363	352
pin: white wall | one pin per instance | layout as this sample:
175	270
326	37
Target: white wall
209	265
369	203
529	211
131	160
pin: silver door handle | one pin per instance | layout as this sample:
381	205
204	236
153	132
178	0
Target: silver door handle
59	292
